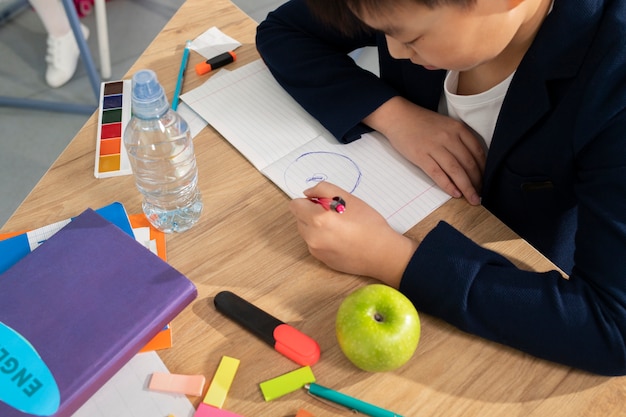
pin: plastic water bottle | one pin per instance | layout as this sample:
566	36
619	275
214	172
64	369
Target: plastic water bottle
161	154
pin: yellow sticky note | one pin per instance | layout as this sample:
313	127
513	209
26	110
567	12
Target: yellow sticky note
222	380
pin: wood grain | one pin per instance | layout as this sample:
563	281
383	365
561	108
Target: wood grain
246	242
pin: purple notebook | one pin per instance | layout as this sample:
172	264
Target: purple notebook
75	310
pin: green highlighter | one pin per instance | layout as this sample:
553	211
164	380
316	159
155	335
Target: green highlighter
287	383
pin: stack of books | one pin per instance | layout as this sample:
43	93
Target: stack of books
77	307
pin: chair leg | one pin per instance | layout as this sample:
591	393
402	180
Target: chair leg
32	104
85	54
89	65
103	39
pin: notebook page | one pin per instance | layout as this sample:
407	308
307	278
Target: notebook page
38	236
249	108
370	169
253	112
126	393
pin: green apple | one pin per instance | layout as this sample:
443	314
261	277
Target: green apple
377	328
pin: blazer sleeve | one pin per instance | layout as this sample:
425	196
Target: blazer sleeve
575	321
311	62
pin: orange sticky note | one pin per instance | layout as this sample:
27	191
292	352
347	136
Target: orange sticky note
162	340
179	384
304	413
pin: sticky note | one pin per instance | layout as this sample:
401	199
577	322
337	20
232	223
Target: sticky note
205	410
179	384
304	413
286	383
222	380
162	340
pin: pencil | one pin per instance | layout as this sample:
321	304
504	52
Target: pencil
181	76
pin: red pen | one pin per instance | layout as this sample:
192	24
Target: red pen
336	203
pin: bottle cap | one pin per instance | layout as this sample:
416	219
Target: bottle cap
148	97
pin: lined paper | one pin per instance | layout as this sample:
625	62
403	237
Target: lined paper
283	141
127	394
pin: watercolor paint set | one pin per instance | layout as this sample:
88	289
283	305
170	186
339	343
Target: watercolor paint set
114	113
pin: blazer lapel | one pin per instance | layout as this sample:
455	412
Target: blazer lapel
554	55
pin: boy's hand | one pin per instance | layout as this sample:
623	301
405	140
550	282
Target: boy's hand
358	241
445	149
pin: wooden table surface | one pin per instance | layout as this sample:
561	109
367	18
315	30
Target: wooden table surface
247	242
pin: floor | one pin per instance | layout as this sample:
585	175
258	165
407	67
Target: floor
31	140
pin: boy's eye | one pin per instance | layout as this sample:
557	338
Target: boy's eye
410	44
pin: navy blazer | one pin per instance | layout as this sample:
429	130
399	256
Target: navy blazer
555	174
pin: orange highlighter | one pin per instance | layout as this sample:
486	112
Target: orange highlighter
284	338
215	62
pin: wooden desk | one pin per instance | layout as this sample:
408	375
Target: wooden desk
247	242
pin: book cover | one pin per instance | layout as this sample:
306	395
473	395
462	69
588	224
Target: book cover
23	242
14	247
84	302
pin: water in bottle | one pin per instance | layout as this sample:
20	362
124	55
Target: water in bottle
162	157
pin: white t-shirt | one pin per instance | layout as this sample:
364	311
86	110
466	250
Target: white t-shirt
478	111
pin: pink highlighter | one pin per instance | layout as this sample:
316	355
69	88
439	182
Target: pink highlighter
284	338
337	204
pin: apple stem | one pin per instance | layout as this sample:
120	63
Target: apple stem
378	317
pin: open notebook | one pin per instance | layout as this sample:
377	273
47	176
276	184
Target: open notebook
254	113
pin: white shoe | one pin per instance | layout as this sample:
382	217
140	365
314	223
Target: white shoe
62	57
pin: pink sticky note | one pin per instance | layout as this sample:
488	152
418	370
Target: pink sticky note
179	384
205	410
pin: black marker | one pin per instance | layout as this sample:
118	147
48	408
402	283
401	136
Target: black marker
285	339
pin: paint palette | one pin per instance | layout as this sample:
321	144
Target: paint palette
113	114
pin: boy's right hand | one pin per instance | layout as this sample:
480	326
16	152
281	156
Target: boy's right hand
444	148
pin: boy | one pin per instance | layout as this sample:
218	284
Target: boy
516	104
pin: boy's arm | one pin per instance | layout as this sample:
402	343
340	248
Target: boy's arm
311	62
479	291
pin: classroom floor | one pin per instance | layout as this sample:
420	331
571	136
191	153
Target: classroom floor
31	140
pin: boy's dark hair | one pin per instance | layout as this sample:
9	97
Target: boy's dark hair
339	13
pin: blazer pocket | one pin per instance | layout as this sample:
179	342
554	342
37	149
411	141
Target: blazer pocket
535	186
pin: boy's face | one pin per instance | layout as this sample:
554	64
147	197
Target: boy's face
448	37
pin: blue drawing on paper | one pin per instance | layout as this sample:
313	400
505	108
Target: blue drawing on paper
313	167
